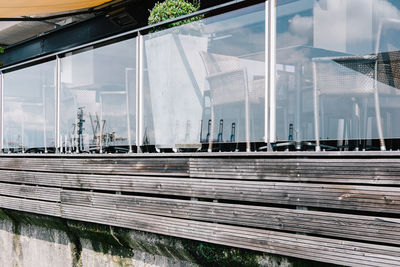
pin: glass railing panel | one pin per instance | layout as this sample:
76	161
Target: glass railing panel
29	109
337	84
204	82
98	99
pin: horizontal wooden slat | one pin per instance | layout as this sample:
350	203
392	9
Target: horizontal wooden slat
314	248
371	171
31	192
368	171
33	178
352	184
311	170
127	166
368	228
366	198
33	206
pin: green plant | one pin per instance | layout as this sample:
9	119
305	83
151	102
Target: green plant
170	9
1	52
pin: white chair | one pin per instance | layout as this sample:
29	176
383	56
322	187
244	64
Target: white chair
228	84
347	78
383	68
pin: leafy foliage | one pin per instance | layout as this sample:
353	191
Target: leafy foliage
1	52
170	9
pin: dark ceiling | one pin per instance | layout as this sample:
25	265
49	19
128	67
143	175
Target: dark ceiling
30	37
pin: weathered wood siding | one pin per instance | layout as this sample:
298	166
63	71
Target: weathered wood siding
339	208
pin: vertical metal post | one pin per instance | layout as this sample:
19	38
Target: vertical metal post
211	137
316	108
102	124
22	134
44	118
266	80
297	129
271	69
2	113
128	116
139	91
57	100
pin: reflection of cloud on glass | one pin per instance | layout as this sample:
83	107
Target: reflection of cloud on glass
301	26
300	32
384	9
350	26
85	99
339	25
288	39
29	119
292	56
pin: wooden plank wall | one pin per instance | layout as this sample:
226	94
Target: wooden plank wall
341	208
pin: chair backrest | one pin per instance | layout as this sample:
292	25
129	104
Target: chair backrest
216	63
227	80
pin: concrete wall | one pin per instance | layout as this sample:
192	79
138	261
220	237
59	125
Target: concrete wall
36	240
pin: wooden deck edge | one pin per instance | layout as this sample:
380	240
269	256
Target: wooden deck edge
306	247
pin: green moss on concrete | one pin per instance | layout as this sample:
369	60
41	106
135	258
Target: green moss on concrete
46	222
35	219
76	245
123	243
16	244
102	238
4	216
212	255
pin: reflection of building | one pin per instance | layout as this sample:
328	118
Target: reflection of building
318	79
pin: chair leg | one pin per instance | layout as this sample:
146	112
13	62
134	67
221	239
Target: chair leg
340	133
211	138
247	113
357	126
247	124
364	124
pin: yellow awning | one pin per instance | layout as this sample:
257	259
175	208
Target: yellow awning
19	8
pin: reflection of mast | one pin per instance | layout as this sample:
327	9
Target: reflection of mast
80	127
95	127
99	125
72	138
220	130
208	131
102	127
233	132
